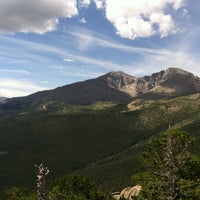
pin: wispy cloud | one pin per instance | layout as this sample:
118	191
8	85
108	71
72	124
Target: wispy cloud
68	60
151	58
153	63
17	71
60	52
83	20
96	39
177	54
72	71
14	87
19	51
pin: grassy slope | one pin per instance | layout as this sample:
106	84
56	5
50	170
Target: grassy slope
101	140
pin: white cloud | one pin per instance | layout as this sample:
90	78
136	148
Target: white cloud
37	16
84	3
99	3
131	18
68	60
15	88
186	13
143	18
177	4
45	82
83	20
166	24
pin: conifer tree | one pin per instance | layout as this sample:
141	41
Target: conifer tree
166	161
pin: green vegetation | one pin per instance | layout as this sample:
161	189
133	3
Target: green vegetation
171	171
19	194
101	141
72	187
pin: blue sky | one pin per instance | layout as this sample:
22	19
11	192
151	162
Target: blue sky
45	44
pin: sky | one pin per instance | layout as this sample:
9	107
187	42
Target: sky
45	44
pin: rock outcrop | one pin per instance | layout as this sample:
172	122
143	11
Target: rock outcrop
173	81
128	193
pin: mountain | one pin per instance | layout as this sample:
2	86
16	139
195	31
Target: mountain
85	92
115	87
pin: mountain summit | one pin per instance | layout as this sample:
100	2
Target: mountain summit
114	86
173	81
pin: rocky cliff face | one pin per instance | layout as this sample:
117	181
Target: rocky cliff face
178	82
172	81
115	86
118	80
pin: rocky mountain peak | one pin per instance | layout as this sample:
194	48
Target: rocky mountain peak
172	71
170	81
118	79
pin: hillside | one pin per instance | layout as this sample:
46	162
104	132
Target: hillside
154	117
102	140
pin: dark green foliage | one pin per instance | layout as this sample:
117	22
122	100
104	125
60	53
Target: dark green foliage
171	171
65	143
72	187
76	187
76	184
19	194
102	141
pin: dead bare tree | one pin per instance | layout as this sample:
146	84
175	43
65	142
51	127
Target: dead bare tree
42	171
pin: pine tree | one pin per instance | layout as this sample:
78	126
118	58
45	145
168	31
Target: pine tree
166	161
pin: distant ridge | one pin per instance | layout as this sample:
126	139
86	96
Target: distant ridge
2	99
114	86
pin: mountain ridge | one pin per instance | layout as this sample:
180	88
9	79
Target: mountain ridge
116	87
2	99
